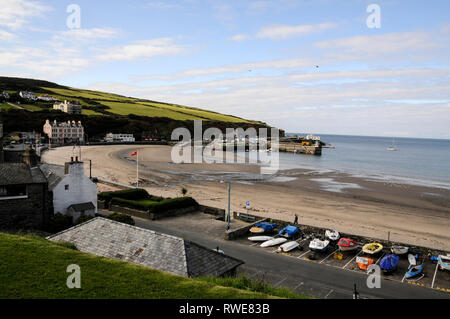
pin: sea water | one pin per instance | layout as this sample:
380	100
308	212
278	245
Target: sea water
416	161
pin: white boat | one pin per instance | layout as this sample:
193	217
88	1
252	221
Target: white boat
412	259
399	250
274	242
260	238
318	245
333	235
392	148
288	246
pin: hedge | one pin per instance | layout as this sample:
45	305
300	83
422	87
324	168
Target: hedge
129	194
156	207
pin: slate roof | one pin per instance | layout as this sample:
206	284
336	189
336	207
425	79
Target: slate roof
108	238
82	207
53	173
20	173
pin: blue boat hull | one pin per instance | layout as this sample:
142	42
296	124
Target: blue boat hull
414	272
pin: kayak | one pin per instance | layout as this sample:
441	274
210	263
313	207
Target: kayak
274	242
288	246
414	271
260	238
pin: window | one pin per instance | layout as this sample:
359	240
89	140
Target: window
13	191
66	187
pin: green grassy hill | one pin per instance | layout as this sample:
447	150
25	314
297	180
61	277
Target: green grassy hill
32	267
99	103
105	112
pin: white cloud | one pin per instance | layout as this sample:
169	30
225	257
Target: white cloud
15	13
142	50
369	47
308	102
239	37
277	32
6	36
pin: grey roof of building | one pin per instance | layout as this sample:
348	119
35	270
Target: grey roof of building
20	173
82	207
108	238
53	173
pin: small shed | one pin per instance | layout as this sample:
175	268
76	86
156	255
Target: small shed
83	209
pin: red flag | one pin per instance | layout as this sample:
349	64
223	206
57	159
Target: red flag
134	154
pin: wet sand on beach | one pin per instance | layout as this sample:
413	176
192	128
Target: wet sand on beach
412	214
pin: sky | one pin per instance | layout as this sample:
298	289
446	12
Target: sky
312	66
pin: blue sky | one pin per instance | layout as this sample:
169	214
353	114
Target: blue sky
256	58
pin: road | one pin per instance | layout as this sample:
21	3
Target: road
303	276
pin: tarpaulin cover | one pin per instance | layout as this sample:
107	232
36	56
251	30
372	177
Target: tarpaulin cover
389	262
289	230
266	226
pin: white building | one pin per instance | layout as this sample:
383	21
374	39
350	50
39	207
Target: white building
5	95
65	132
74	194
69	107
47	98
111	138
27	95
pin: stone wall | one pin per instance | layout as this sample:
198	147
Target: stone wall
240	232
218	212
152	216
31	212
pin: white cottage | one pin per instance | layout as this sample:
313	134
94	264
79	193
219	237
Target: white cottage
74	194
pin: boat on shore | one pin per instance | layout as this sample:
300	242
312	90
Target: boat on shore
412	260
372	248
399	250
332	235
318	245
347	244
260	238
261	228
274	242
414	271
389	263
288	246
289	231
364	262
444	262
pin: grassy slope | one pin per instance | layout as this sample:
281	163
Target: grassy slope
124	106
31	267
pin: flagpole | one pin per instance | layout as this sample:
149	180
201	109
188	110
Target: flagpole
137	170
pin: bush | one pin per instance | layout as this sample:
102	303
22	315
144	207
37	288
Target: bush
83	219
121	218
59	222
129	194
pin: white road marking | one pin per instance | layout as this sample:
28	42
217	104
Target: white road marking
434	276
328	294
328	256
380	258
280	282
300	284
303	254
352	259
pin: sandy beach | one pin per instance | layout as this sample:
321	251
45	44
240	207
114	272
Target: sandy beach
412	214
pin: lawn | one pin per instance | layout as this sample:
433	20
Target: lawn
32	267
